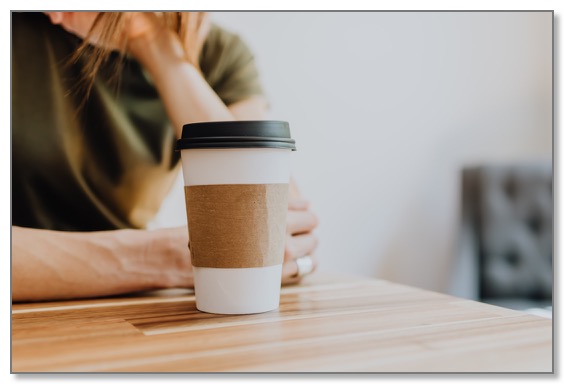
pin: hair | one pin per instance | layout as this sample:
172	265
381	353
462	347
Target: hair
111	24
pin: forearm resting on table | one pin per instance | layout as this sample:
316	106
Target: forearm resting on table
52	265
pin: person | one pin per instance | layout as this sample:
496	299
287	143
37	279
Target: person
92	161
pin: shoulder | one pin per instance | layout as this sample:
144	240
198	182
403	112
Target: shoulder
220	38
228	66
223	50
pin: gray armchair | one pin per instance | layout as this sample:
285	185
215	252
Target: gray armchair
506	247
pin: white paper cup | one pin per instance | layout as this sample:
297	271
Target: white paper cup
223	164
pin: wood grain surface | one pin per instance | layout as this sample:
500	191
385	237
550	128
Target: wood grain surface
323	325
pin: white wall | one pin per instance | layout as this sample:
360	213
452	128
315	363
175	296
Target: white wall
386	108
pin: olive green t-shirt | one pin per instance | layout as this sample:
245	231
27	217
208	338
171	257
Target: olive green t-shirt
109	164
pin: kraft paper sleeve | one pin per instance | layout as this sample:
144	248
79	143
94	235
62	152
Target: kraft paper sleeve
237	225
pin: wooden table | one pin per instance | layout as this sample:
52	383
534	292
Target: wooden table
322	325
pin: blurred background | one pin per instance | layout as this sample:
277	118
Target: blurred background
424	142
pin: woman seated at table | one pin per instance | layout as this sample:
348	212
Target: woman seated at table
92	162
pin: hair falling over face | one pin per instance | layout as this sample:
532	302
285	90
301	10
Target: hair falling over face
108	25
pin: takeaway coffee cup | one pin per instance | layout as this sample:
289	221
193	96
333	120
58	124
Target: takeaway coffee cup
236	177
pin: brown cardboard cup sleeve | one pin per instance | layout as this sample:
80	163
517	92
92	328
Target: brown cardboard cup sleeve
237	225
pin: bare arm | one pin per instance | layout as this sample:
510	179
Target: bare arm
189	98
52	265
186	94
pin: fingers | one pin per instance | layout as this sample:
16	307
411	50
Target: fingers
300	222
297	246
290	271
300	245
300	240
298	204
205	26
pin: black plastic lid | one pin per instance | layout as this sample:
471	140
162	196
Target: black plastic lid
236	134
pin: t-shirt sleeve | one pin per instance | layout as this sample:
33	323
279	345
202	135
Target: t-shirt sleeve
229	67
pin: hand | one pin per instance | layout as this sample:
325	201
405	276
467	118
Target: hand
301	241
135	26
146	26
172	246
169	253
148	38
